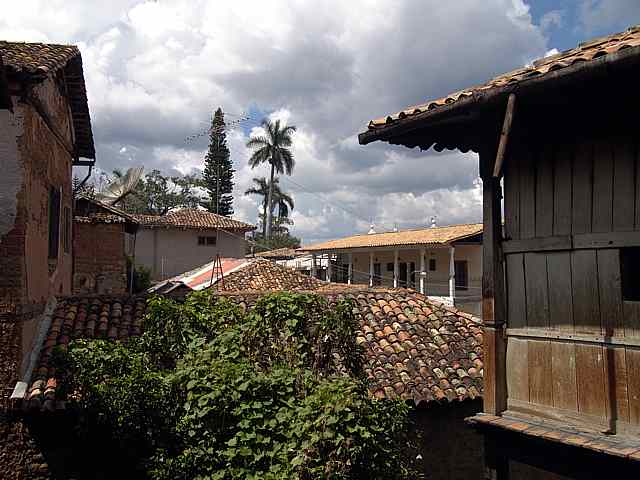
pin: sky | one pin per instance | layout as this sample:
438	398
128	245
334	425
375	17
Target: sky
156	70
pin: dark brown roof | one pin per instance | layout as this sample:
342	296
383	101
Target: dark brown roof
416	349
192	218
37	61
546	69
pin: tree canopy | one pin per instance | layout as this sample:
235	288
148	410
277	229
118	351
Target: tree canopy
273	148
218	173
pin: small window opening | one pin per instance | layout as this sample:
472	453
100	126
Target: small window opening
201	240
629	268
389	267
54	222
432	264
211	240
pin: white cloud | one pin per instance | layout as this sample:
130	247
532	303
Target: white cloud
605	14
156	70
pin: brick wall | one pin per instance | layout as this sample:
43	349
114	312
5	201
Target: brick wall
100	261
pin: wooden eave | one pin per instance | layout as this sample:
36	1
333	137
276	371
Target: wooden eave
466	123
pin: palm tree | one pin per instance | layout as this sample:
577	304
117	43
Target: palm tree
261	188
273	148
282	200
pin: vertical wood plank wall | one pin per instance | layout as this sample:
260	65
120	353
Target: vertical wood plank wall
562	188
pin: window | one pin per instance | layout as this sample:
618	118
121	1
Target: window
629	265
389	267
432	264
207	240
54	222
66	237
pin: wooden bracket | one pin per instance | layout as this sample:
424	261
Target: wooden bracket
504	135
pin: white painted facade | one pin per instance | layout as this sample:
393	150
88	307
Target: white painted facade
168	252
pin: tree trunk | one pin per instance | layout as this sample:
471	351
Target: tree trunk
264	217
270	203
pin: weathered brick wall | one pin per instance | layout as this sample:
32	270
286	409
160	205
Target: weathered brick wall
100	262
450	449
32	161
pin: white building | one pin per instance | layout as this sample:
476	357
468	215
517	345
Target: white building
444	262
185	239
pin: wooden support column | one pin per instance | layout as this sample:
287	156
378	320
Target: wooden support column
493	292
423	271
371	269
329	269
314	266
396	270
350	269
452	273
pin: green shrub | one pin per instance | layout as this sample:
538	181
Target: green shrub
213	392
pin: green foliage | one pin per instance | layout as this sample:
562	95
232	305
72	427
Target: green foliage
141	277
211	391
218	169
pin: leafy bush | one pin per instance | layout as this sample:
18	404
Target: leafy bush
213	392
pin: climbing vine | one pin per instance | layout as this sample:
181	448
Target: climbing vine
211	391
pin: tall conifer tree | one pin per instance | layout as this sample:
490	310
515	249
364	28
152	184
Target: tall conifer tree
218	169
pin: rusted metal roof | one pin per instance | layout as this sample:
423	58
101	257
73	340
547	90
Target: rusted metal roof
37	61
541	69
424	236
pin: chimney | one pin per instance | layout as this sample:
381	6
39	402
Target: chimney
433	222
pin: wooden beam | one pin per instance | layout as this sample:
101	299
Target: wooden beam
504	135
493	291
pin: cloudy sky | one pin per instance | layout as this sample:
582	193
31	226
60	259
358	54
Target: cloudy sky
156	70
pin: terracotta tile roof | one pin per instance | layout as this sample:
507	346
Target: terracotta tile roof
39	60
92	210
192	218
554	431
279	253
239	274
416	349
425	236
265	275
544	67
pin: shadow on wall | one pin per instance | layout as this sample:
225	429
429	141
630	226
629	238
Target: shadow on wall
450	449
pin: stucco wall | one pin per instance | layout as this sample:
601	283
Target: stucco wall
170	252
100	261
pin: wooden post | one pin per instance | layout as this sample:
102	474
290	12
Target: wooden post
493	292
371	269
423	271
329	267
408	268
504	135
396	270
452	274
350	270
314	267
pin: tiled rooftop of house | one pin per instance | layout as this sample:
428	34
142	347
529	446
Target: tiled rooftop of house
39	60
540	69
234	274
416	349
424	236
192	218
